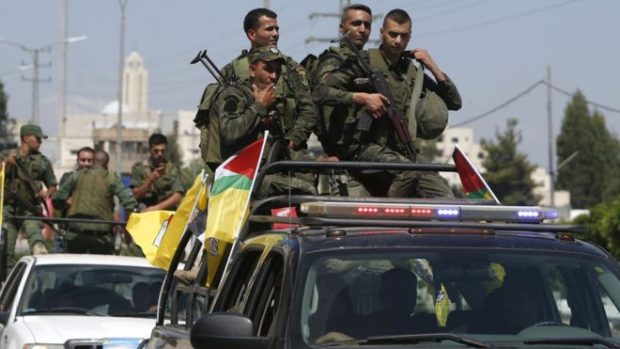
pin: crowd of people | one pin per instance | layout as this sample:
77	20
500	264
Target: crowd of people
334	95
86	195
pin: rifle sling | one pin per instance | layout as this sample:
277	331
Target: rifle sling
415	97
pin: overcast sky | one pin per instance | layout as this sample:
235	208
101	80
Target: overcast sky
493	49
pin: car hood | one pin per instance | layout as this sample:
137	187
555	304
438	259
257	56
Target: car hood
58	329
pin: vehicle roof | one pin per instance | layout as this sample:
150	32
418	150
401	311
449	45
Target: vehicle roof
55	259
312	240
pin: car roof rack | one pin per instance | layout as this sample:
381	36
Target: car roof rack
343	166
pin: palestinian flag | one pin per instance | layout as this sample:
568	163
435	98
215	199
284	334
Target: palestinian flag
230	193
473	184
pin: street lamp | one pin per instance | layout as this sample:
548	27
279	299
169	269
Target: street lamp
34	53
119	126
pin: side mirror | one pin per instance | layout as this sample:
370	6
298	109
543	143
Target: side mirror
226	330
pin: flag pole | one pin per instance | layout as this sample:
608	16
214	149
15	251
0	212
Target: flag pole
235	243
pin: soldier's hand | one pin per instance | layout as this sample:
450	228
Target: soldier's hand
266	96
43	194
156	173
11	159
376	104
422	56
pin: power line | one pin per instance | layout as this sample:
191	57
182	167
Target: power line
503	105
598	105
497	20
455	9
526	91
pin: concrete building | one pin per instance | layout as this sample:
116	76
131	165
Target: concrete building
99	129
464	137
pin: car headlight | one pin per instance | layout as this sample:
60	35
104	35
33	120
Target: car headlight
43	346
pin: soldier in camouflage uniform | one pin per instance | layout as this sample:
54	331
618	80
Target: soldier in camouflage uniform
379	143
88	193
26	169
156	182
356	21
244	111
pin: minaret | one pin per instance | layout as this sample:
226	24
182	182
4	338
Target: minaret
135	84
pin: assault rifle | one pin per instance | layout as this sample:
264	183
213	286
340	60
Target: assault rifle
398	120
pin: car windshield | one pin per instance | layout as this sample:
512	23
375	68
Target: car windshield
480	294
107	290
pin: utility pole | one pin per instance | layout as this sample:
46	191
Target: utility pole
266	4
34	53
64	25
34	118
342	5
550	137
121	63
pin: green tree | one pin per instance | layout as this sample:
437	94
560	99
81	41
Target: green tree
4	115
509	173
603	226
591	176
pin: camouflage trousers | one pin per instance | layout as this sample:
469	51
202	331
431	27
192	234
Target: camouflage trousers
32	229
295	183
89	238
403	184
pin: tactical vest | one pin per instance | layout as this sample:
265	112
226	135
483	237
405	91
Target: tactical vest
431	115
336	128
26	185
92	195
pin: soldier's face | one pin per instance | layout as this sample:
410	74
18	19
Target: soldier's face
85	159
158	151
395	37
265	74
33	142
358	24
266	33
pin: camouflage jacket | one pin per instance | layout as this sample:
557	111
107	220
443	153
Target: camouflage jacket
241	119
40	171
293	87
166	185
431	112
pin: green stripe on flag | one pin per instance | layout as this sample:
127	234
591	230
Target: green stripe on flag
479	194
234	181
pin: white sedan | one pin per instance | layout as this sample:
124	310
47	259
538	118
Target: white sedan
78	301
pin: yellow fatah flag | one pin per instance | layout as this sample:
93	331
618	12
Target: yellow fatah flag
442	306
158	232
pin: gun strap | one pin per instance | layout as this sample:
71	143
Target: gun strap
415	97
24	175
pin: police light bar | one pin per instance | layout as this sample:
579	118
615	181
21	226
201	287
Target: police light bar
439	212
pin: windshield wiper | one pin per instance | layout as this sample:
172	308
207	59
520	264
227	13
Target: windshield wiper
571	341
427	337
145	314
63	310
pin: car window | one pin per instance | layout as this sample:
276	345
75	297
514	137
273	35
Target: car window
476	292
265	294
234	289
10	288
98	289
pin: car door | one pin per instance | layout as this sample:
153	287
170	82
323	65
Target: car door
8	298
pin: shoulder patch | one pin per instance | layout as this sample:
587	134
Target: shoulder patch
231	103
303	76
